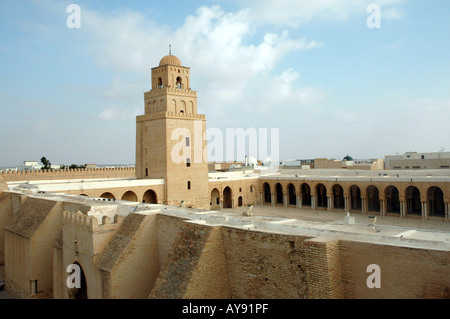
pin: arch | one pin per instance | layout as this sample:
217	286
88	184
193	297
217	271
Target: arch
190	107
240	201
150	197
392	196
173	106
413	204
179	84
355	197
292	198
227	196
107	195
338	196
215	199
267	195
130	196
82	292
306	194
182	107
436	204
160	83
279	193
373	197
321	194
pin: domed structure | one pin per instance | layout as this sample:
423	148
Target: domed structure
348	158
170	59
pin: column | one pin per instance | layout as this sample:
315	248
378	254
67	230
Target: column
313	201
382	207
285	199
221	203
330	202
364	204
424	208
299	200
402	207
346	203
446	206
262	198
272	199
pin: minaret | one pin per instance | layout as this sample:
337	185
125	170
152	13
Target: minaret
169	137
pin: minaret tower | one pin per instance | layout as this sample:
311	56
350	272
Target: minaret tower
169	137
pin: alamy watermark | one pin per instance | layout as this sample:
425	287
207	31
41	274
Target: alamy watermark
74	19
373	20
374	279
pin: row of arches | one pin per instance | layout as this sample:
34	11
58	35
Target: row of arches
173	106
371	201
149	196
227	199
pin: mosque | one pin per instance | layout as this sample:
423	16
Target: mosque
171	228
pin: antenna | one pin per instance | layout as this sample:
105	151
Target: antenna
170	49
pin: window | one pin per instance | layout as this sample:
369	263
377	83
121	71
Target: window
189	184
188	162
251	189
240	190
146	172
187	141
423	156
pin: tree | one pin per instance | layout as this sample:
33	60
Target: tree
46	163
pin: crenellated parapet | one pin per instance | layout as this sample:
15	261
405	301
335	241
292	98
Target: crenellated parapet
80	221
104	172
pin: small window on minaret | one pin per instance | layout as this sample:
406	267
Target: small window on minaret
160	84
146	172
188	162
189	184
187	141
179	84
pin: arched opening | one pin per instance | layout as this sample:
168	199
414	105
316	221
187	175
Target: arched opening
215	198
160	83
80	293
84	195
306	194
355	197
130	196
179	84
240	201
267	196
392	199
321	193
373	197
436	201
338	197
413	205
292	200
227	203
107	195
149	197
279	190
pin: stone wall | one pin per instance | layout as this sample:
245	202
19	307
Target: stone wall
55	174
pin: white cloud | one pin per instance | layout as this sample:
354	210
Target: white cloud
293	13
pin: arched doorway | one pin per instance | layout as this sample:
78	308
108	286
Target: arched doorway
227	203
292	200
130	196
240	201
267	196
392	199
338	197
81	293
107	195
215	198
413	205
373	197
355	197
306	195
279	196
321	193
149	197
436	201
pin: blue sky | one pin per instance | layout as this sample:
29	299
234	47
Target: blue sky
314	70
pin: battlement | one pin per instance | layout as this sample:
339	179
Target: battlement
112	172
90	223
162	115
169	90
